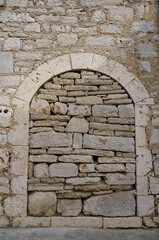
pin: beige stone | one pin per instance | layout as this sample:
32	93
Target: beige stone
96	187
60	108
74	195
94	152
102	126
60	151
104	111
90	100
77	140
4	221
77	125
63	170
31	222
126	111
19	185
120	178
81	60
76	158
145	205
143	161
39	106
41	170
15	206
142	185
42	204
141	115
125	222
83	181
45	187
69	207
60	64
72	75
84	168
110	168
43	158
154	185
116	160
79	110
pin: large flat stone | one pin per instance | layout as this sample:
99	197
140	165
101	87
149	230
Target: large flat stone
43	158
50	139
63	170
108	143
76	158
69	207
115	204
104	111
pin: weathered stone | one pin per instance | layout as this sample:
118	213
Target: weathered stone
156	168
92	80
149	222
94	152
81	88
104	111
43	43
110	168
126	111
75	93
15	206
108	143
116	96
31	222
60	108
102	192
75	158
4	221
16	3
77	125
121	120
63	170
32	27
130	167
45	187
19	185
39	106
84	168
145	205
53	92
120	178
120	14
67	99
145	66
42	204
77	140
50	85
79	110
65	39
37	151
143	26
116	160
88	188
96	119
125	222
83	181
41	170
103	133
124	134
110	29
52	180
71	75
102	41
117	101
6	62
63	81
43	158
74	195
12	44
5	116
9	81
69	207
142	185
102	126
48	123
154	136
90	100
146	50
48	96
50	139
60	150
154	185
115	204
143	161
80	222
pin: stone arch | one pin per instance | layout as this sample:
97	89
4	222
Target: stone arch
78	61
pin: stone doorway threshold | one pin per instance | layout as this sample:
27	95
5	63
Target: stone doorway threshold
78	234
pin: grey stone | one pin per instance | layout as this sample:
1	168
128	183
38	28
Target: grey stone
2	3
74	195
145	66
126	111
90	100
12	44
32	27
154	139
77	140
146	50
71	75
66	39
155	38
42	204
76	158
63	170
115	204
103	41
110	168
104	111
45	187
156	168
83	181
88	188
120	178
6	62
69	207
43	158
95	3
77	125
9	81
116	160
60	108
60	150
39	106
94	152
15	206
41	170
108	143
86	168
154	185
143	26
79	110
110	28
50	139
16	3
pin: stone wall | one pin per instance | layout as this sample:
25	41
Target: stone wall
35	32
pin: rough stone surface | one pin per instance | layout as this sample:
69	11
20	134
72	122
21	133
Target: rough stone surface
79	110
41	170
125	222
6	62
126	111
16	3
63	170
90	100
77	125
83	181
105	111
15	206
154	185
69	207
115	204
39	106
65	39
145	205
60	108
119	178
41	203
76	158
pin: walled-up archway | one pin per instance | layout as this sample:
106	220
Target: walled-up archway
141	100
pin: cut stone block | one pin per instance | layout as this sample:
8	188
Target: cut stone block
125	222
60	108
6	62
120	178
41	170
63	170
145	205
69	207
104	111
5	116
77	125
43	158
86	168
79	110
12	44
39	106
76	158
115	204
83	181
15	206
89	100
77	140
110	168
19	185
126	111
142	185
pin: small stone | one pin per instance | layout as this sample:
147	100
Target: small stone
77	140
145	66
110	28
110	168
60	150
102	41
60	108
77	125
126	111
63	170
120	14
39	106
32	27
125	222
4	221
154	185
44	187
50	85
86	168
12	44
76	158
6	62
42	204
69	207
41	170
142	185
90	100
94	152
143	26
5	116
146	50
67	99
65	39
43	158
89	188
79	110
72	75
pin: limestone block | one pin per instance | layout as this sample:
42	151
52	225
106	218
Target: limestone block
145	66
156	168
79	110
77	125
141	138
143	161
143	26
83	181
120	178
115	204
12	44
4	185
94	187
110	168
15	206
116	160
104	111
39	106
21	112
4	189
108	143
125	222
98	16
142	185
49	85
141	115
43	43
90	100
48	96
60	150
54	3
130	167
42	203
60	64
60	108
80	222
45	187
6	62
2	3
5	116
32	27
19	185
146	50
126	111
6	16
4	157
80	88
81	60
86	168
63	170
102	41
4	221
31	222
41	170
43	158
74	195
66	39
149	222
3	139
16	3
50	139
71	75
69	207
120	14
94	152
18	135
110	28
76	158
18	164
145	205
154	139
77	140
9	81
154	185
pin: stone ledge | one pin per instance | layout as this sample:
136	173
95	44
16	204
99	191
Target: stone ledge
126	222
